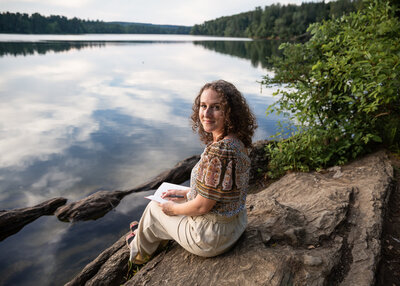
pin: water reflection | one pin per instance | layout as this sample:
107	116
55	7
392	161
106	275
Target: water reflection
255	51
50	253
109	116
24	49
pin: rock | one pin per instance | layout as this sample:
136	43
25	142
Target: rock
259	161
337	170
305	229
312	260
13	221
109	268
100	203
91	207
341	217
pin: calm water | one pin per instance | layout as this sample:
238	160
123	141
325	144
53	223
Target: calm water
80	114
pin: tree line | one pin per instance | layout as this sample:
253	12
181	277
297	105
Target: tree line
38	24
276	21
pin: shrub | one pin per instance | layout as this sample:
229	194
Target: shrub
342	90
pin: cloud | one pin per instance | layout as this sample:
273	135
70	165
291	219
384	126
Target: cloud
176	12
56	3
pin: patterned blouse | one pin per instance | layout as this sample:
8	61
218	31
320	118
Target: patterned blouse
222	174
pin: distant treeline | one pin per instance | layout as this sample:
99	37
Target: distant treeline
276	21
256	51
38	24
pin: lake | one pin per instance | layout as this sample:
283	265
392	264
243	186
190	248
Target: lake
82	113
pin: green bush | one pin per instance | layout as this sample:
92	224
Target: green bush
341	89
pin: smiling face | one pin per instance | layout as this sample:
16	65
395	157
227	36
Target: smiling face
211	113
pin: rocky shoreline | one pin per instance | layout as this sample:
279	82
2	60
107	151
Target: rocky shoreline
305	229
98	204
92	207
318	228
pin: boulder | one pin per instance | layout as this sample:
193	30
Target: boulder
305	229
12	221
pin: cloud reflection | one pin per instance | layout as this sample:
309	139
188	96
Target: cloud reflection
54	183
54	111
37	128
104	118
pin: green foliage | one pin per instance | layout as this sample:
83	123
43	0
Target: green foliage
38	24
341	89
275	21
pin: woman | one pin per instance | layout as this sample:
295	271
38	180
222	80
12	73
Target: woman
208	218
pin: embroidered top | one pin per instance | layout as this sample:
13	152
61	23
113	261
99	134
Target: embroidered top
222	174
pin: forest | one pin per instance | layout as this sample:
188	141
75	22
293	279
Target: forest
38	24
276	21
271	22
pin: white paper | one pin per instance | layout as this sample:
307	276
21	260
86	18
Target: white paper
162	189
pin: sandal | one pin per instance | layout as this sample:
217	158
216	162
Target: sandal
129	238
133	226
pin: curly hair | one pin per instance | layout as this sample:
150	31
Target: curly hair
239	119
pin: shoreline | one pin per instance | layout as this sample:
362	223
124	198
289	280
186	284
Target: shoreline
258	186
317	227
100	203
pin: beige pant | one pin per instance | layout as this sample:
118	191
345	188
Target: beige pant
206	235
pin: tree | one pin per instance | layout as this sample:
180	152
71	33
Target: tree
275	21
38	24
343	90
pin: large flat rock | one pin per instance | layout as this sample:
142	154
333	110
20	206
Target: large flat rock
305	229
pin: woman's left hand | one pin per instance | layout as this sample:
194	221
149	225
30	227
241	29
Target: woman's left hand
168	208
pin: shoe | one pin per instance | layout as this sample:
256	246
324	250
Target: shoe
133	226
129	238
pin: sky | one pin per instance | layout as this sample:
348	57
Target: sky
174	12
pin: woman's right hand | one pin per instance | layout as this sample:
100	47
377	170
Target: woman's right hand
175	195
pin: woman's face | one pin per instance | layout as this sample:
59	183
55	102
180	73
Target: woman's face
211	113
